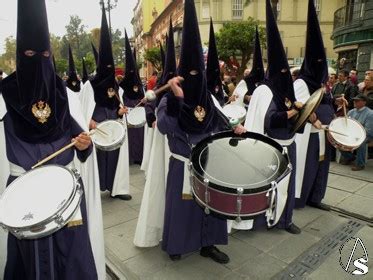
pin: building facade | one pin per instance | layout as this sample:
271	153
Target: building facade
145	12
291	19
353	35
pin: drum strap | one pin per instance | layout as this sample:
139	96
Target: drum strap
187	187
321	142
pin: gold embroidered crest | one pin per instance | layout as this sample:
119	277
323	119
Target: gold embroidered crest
288	103
41	111
135	88
73	83
199	113
110	92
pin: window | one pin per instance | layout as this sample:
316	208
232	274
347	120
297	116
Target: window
206	9
317	7
237	9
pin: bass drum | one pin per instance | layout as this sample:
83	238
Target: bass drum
235	176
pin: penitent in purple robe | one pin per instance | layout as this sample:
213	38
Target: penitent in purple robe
186	226
106	160
316	172
67	253
135	136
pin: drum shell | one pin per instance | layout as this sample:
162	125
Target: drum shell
223	201
58	220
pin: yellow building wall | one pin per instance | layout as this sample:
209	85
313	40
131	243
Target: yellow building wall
292	21
147	7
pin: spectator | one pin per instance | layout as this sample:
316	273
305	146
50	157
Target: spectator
246	72
295	74
368	90
228	86
364	116
331	82
353	77
344	86
152	82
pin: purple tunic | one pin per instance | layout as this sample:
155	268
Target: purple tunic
106	161
186	226
316	172
135	136
67	253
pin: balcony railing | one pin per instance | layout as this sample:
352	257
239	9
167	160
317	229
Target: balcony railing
349	15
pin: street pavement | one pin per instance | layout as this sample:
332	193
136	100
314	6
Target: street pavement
317	253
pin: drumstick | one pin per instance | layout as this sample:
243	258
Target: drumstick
344	108
101	131
151	95
48	158
333	131
120	101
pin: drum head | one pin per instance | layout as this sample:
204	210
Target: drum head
115	132
136	117
36	196
234	111
250	161
355	131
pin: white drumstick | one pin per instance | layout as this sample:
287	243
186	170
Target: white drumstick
68	146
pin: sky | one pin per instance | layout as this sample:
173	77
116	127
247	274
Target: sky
59	12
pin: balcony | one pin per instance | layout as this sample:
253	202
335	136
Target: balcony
349	16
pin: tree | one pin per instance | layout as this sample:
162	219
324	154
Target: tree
153	55
76	34
237	39
8	59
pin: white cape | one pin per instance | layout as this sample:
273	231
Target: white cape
4	174
149	227
148	140
121	183
240	91
301	94
90	177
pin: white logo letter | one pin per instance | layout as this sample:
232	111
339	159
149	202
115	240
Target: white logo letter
362	268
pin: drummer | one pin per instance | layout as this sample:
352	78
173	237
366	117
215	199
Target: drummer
37	123
270	112
112	165
187	116
72	82
133	94
314	74
256	74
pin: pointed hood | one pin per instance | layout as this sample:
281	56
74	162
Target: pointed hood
198	112
314	70
134	54
163	56
104	84
85	76
54	64
35	97
95	53
257	72
131	83
214	84
72	81
278	76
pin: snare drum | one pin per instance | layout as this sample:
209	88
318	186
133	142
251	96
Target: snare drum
136	117
235	112
115	135
40	202
355	131
234	176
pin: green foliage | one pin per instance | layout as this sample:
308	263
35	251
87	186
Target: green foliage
153	55
80	41
237	39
